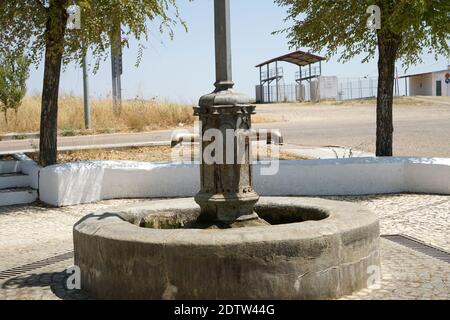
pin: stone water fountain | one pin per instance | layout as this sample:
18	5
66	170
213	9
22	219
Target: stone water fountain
226	244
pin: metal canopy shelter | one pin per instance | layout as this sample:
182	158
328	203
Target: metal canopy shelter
299	58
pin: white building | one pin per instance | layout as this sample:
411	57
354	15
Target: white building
429	84
324	88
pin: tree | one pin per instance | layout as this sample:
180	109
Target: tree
13	76
408	29
39	28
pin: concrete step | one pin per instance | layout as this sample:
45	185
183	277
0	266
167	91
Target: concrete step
9	166
13	196
14	180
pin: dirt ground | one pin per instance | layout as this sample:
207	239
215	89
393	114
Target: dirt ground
148	154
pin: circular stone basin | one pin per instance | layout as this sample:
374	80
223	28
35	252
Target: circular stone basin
313	249
186	218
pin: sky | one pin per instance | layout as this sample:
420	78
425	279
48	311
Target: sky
182	69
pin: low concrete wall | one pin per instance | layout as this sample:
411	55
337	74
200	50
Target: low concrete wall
85	182
430	175
29	167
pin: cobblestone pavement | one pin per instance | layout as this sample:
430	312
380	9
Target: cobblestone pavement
34	232
424	217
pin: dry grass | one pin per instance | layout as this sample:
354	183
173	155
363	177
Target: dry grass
265	119
151	154
6	157
411	101
136	115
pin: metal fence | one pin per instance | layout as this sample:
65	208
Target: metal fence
348	88
314	71
357	88
282	93
273	73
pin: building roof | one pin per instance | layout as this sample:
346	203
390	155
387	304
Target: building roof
421	74
299	58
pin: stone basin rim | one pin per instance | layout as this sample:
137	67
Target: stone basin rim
321	259
116	224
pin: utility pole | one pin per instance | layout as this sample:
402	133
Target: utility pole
74	23
397	89
116	69
87	110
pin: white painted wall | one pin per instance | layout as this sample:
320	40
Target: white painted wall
85	182
31	168
8	166
314	93
425	85
430	175
18	197
440	76
421	85
328	87
14	189
300	92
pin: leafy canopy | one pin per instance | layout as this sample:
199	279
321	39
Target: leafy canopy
13	77
423	26
23	24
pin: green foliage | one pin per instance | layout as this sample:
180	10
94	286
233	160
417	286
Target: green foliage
23	25
13	76
421	26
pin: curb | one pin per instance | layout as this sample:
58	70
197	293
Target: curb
18	136
93	147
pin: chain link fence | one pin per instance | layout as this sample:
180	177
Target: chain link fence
348	89
357	88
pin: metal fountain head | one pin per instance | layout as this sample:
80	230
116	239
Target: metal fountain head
226	194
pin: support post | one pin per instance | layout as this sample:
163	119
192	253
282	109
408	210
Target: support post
302	98
406	86
360	88
371	87
276	82
261	88
268	83
351	91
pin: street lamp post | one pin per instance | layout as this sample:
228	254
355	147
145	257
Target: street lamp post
226	194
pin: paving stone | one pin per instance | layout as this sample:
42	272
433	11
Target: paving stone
30	233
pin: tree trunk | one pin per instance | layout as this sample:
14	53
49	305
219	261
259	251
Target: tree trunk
54	49
388	45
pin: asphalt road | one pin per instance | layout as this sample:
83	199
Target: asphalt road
421	129
77	141
418	130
